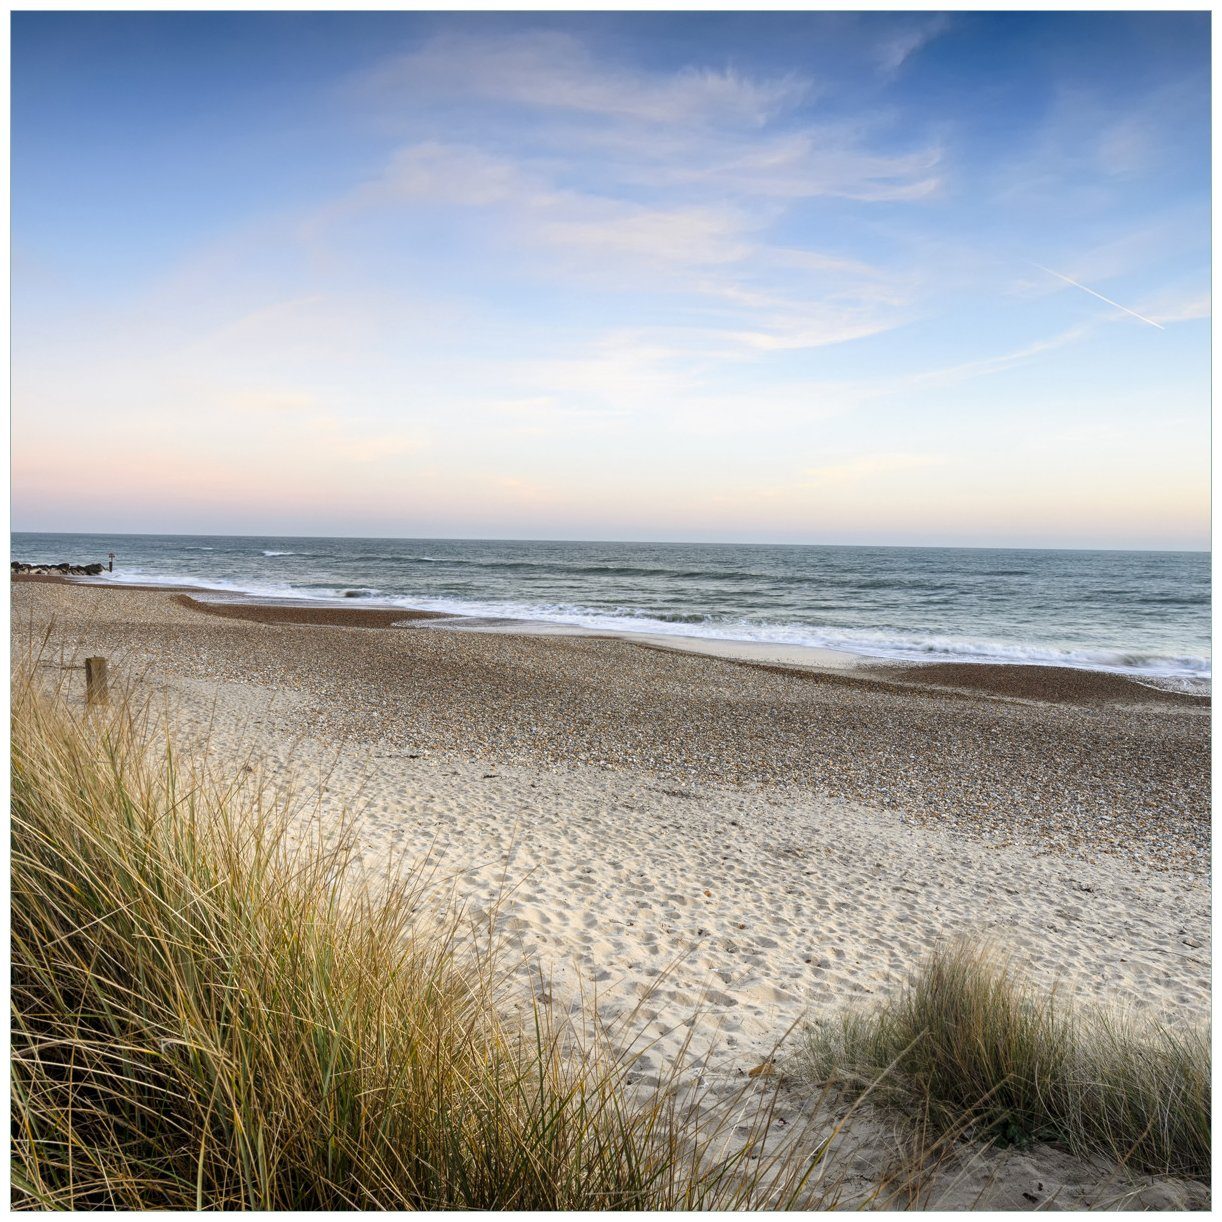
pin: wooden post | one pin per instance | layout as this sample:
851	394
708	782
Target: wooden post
95	681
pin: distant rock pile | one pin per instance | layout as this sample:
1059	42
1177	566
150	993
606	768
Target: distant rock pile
56	570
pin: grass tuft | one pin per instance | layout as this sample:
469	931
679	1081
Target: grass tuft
969	1042
211	1011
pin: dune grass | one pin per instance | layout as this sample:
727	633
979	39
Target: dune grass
209	1012
972	1045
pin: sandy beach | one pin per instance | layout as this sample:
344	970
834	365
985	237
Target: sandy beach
710	849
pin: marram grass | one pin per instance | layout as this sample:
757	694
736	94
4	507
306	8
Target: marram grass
971	1044
205	1016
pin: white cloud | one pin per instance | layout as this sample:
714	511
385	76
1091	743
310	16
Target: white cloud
681	235
714	254
734	133
551	70
1125	251
989	365
640	181
454	174
815	327
907	38
817	161
819	261
1083	161
543	213
1188	309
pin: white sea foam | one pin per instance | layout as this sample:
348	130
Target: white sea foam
220	585
874	644
897	646
1194	670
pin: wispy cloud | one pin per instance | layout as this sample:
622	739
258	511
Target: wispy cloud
817	160
709	250
634	180
1190	308
813	327
698	235
907	37
740	134
553	70
1122	249
987	366
1090	149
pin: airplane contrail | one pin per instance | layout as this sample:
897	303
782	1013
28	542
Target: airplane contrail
1101	297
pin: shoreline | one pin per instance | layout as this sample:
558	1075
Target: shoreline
700	854
1020	680
1068	761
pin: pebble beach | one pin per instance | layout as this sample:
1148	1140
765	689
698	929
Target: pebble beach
715	848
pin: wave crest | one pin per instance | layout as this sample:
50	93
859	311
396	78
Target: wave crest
883	643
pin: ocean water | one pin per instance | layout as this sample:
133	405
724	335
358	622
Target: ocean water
1131	612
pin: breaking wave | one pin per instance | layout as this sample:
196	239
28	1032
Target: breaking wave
905	646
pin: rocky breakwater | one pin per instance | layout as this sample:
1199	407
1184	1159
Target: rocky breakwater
55	570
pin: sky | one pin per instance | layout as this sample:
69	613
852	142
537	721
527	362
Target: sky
898	278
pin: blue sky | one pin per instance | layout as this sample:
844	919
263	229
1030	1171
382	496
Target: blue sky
796	277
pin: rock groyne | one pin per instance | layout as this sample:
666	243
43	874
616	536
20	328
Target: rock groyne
19	568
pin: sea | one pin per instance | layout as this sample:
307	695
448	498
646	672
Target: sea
1139	613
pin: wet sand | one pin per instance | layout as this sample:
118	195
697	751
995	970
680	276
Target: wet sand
1058	684
335	617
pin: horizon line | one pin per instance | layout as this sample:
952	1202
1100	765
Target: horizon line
979	547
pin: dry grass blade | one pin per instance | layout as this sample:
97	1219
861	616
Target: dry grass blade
210	1011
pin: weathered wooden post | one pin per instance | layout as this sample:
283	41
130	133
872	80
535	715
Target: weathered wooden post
95	681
